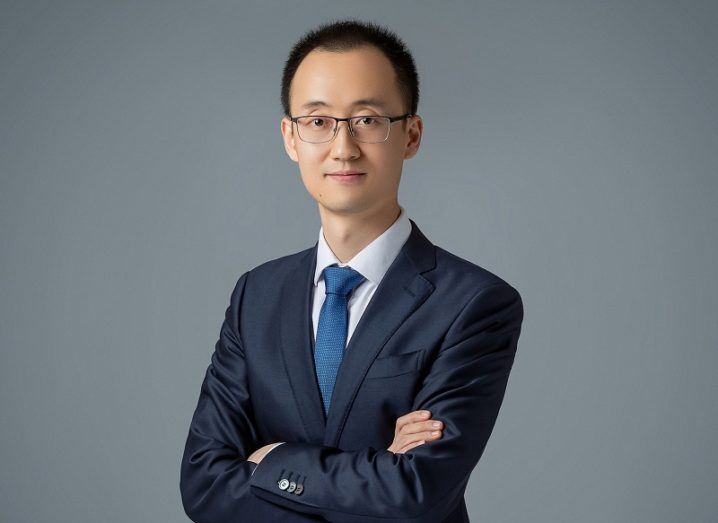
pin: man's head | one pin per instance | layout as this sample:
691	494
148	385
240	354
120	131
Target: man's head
338	64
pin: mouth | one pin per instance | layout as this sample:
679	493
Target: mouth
347	179
346	173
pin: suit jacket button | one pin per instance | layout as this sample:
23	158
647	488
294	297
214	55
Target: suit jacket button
292	486
283	483
299	489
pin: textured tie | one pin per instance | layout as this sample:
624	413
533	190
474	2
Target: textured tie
339	283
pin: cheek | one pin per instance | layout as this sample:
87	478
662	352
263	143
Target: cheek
310	159
306	162
387	164
312	175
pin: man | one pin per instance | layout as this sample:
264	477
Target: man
332	363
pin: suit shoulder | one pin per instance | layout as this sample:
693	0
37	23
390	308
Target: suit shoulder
465	273
276	267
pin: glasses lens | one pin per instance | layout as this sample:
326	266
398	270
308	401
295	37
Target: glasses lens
370	129
315	129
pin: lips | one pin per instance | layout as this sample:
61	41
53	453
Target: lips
347	179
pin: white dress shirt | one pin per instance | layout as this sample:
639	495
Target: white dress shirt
372	262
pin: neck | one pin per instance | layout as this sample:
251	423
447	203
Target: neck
347	234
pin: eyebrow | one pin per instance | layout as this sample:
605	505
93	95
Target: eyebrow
313	104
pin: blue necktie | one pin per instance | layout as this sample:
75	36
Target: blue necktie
339	283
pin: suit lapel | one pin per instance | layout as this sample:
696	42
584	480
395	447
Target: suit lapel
399	294
297	341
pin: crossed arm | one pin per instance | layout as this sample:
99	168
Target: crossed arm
464	388
258	455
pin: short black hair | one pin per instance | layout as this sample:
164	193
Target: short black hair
345	35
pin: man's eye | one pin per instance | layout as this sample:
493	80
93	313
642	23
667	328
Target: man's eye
366	121
320	120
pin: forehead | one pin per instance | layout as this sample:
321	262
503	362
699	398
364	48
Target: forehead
342	81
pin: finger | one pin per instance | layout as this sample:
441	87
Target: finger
412	445
421	426
417	415
408	439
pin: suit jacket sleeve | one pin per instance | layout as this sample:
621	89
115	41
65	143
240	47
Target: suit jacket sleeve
214	476
464	388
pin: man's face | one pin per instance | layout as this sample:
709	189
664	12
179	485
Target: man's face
339	79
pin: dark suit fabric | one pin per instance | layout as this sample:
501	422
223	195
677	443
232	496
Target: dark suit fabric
440	333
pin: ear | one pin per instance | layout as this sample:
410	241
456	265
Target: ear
413	136
287	130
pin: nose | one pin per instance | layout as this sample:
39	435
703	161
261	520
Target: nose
344	146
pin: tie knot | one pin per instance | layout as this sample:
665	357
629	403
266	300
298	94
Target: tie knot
341	280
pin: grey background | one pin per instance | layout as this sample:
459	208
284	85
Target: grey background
569	146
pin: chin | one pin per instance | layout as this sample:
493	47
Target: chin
342	207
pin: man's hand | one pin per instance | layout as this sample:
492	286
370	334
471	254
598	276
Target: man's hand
259	454
413	429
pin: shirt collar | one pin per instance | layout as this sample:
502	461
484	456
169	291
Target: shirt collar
372	261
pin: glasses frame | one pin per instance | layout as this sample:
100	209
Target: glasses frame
348	120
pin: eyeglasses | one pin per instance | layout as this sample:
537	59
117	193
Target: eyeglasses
365	129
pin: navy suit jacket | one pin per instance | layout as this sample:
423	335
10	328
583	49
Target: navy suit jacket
440	333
